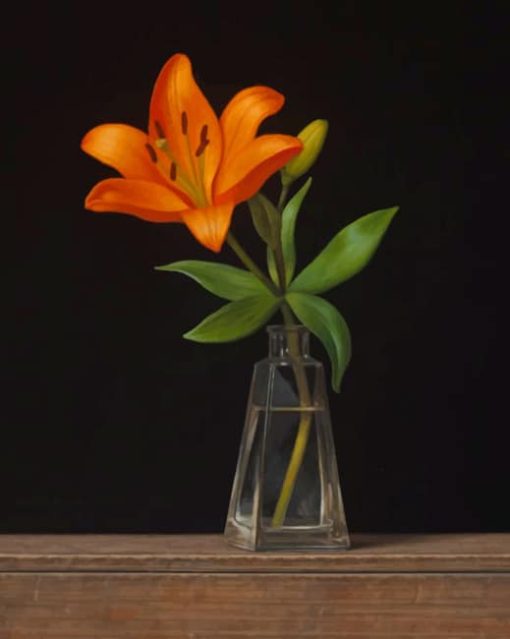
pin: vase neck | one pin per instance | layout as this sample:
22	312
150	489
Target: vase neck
288	341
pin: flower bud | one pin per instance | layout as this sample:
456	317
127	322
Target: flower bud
312	137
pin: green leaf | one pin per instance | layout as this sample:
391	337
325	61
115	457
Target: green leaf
271	267
347	253
289	217
266	219
235	320
326	323
225	281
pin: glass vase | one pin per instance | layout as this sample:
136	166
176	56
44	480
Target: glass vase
286	493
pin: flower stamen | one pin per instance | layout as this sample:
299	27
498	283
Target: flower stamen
152	153
176	176
159	129
196	177
193	184
184	123
203	141
201	148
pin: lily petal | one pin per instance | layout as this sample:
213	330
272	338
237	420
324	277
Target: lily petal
247	171
122	147
176	93
243	115
146	200
209	225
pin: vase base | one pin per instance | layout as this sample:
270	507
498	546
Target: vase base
290	538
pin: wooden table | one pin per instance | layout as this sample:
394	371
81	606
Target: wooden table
194	586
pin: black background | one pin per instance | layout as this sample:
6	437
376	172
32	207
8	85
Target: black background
113	422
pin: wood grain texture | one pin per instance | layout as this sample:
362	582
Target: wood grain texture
196	587
196	553
164	606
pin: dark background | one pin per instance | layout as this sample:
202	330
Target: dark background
113	422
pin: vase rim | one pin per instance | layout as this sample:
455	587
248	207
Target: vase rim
285	328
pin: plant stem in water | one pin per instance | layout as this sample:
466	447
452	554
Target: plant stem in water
305	422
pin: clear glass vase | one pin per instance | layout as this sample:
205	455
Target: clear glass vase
286	492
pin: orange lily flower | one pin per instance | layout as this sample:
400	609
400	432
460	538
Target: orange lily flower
190	167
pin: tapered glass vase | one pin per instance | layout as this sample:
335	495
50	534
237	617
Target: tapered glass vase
286	492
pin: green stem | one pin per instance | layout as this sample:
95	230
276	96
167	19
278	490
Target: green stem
278	251
250	264
283	197
280	267
305	423
305	401
305	420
